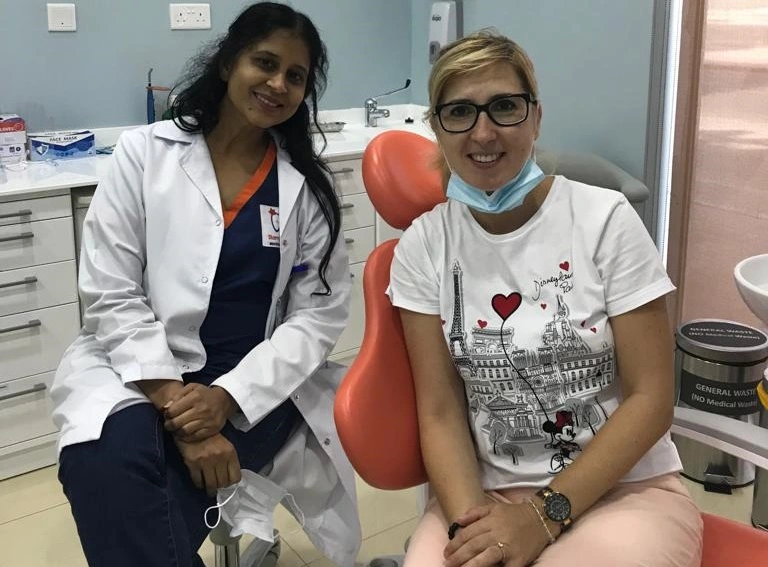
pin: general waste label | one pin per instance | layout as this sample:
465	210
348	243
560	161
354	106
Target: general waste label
718	397
723	334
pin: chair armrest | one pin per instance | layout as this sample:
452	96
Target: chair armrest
593	170
735	437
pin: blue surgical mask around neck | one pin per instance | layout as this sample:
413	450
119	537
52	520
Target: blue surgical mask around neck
507	197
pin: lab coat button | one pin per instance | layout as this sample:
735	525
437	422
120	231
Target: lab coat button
192	328
185	366
326	442
218	222
296	397
285	242
204	279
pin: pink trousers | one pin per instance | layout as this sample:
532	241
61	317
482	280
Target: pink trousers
653	523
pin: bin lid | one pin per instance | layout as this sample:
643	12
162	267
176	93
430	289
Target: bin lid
723	341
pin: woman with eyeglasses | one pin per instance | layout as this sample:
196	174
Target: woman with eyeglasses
534	314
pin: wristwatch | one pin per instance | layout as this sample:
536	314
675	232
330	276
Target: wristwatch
557	507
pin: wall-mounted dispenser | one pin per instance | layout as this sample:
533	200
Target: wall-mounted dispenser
445	26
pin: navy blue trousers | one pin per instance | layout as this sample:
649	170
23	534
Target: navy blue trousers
132	496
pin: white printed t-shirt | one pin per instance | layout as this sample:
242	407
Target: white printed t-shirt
537	300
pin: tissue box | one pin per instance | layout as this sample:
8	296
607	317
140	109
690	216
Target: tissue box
13	139
61	145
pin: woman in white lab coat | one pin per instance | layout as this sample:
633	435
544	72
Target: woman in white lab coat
216	285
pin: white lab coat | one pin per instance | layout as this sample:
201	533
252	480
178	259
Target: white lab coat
151	244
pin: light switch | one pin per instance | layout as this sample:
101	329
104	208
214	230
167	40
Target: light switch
61	18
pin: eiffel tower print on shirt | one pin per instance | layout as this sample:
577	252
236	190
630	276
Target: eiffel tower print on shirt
458	336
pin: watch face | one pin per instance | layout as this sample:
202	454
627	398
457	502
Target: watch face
557	507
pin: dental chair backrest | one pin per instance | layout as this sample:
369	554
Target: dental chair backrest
375	411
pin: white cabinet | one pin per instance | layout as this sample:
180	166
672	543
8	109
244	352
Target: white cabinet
358	222
39	318
359	242
350	339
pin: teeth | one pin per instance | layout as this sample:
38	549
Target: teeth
485	158
266	101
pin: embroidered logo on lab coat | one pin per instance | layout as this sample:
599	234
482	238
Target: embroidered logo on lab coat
270	226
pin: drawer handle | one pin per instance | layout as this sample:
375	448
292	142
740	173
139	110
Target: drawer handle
347	206
22	236
31	325
21	213
25	281
33	390
346	241
342	170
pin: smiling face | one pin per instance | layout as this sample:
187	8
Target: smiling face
268	80
488	155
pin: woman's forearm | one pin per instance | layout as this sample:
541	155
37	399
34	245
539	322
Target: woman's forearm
446	441
451	463
638	423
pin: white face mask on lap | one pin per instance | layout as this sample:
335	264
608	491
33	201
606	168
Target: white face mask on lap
249	506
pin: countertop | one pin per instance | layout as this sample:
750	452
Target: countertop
35	179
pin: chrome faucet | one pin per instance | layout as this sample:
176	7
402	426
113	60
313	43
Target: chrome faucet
372	111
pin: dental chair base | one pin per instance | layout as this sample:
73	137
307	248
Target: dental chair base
227	550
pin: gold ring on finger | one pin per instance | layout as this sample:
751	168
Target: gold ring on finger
503	554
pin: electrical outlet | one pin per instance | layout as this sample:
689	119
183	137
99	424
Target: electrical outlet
61	18
190	16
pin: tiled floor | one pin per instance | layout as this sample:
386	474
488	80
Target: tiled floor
36	528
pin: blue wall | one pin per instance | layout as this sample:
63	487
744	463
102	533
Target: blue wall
593	67
96	75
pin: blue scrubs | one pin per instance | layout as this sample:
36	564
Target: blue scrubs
241	297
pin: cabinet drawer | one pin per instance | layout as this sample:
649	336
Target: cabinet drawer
347	176
25	409
33	342
357	211
34	243
37	287
352	337
360	242
30	210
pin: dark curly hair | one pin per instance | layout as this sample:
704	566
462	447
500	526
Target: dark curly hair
196	108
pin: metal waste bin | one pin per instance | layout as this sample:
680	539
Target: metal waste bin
718	365
760	500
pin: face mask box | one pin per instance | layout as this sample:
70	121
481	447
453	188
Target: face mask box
61	145
13	139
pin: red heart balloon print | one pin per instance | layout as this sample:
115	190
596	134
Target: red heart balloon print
565	266
543	305
482	324
584	323
593	329
505	305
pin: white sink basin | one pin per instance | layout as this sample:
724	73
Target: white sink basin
752	282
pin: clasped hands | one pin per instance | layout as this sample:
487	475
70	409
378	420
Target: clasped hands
195	415
510	535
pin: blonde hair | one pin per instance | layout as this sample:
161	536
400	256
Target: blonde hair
471	53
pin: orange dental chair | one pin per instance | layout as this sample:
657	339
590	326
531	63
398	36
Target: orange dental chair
375	408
